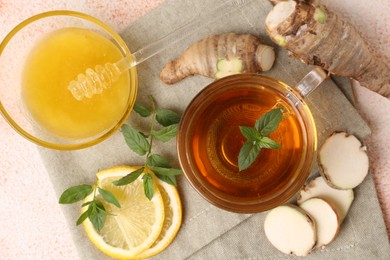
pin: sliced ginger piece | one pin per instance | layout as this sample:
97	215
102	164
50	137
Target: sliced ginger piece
291	230
341	199
326	219
343	161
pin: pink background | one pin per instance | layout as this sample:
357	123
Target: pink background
31	221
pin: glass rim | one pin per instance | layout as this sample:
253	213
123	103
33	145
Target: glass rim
231	203
133	77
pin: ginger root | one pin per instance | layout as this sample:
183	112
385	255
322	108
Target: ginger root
221	55
319	37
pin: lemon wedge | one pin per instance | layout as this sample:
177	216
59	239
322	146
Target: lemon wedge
172	221
133	228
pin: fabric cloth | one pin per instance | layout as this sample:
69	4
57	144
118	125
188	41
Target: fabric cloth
208	232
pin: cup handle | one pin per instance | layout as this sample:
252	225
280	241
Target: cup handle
310	82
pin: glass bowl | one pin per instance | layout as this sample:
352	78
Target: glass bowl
15	51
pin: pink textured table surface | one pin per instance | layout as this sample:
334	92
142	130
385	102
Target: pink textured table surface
31	222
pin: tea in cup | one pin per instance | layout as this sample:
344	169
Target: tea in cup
210	140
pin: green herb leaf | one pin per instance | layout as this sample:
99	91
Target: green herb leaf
166	133
168	179
97	216
266	142
76	193
83	216
269	122
248	154
136	141
250	133
157	160
129	178
148	185
141	110
109	197
166	171
86	203
167	117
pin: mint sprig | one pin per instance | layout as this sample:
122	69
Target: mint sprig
96	212
257	137
142	143
155	165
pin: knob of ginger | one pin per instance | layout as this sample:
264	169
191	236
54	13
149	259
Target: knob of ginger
317	36
221	55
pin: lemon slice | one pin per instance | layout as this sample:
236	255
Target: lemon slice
172	221
135	226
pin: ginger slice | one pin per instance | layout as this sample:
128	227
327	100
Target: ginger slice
326	219
341	199
291	230
343	161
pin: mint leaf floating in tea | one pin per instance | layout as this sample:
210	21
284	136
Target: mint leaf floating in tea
267	142
269	122
257	137
248	154
250	133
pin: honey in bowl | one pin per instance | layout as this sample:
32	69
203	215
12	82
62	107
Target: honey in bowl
56	60
210	140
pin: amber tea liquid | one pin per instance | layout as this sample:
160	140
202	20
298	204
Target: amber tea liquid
216	141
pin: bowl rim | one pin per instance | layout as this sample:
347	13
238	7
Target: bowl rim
239	206
121	44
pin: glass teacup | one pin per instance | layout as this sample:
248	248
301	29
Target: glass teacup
209	141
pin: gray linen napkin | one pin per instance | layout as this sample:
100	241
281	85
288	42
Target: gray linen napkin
208	232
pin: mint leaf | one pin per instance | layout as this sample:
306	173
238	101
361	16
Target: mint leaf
166	133
250	133
129	178
109	197
269	122
257	137
266	142
86	203
97	216
168	179
148	185
167	117
136	141
141	110
166	171
76	193
83	217
157	160
248	154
